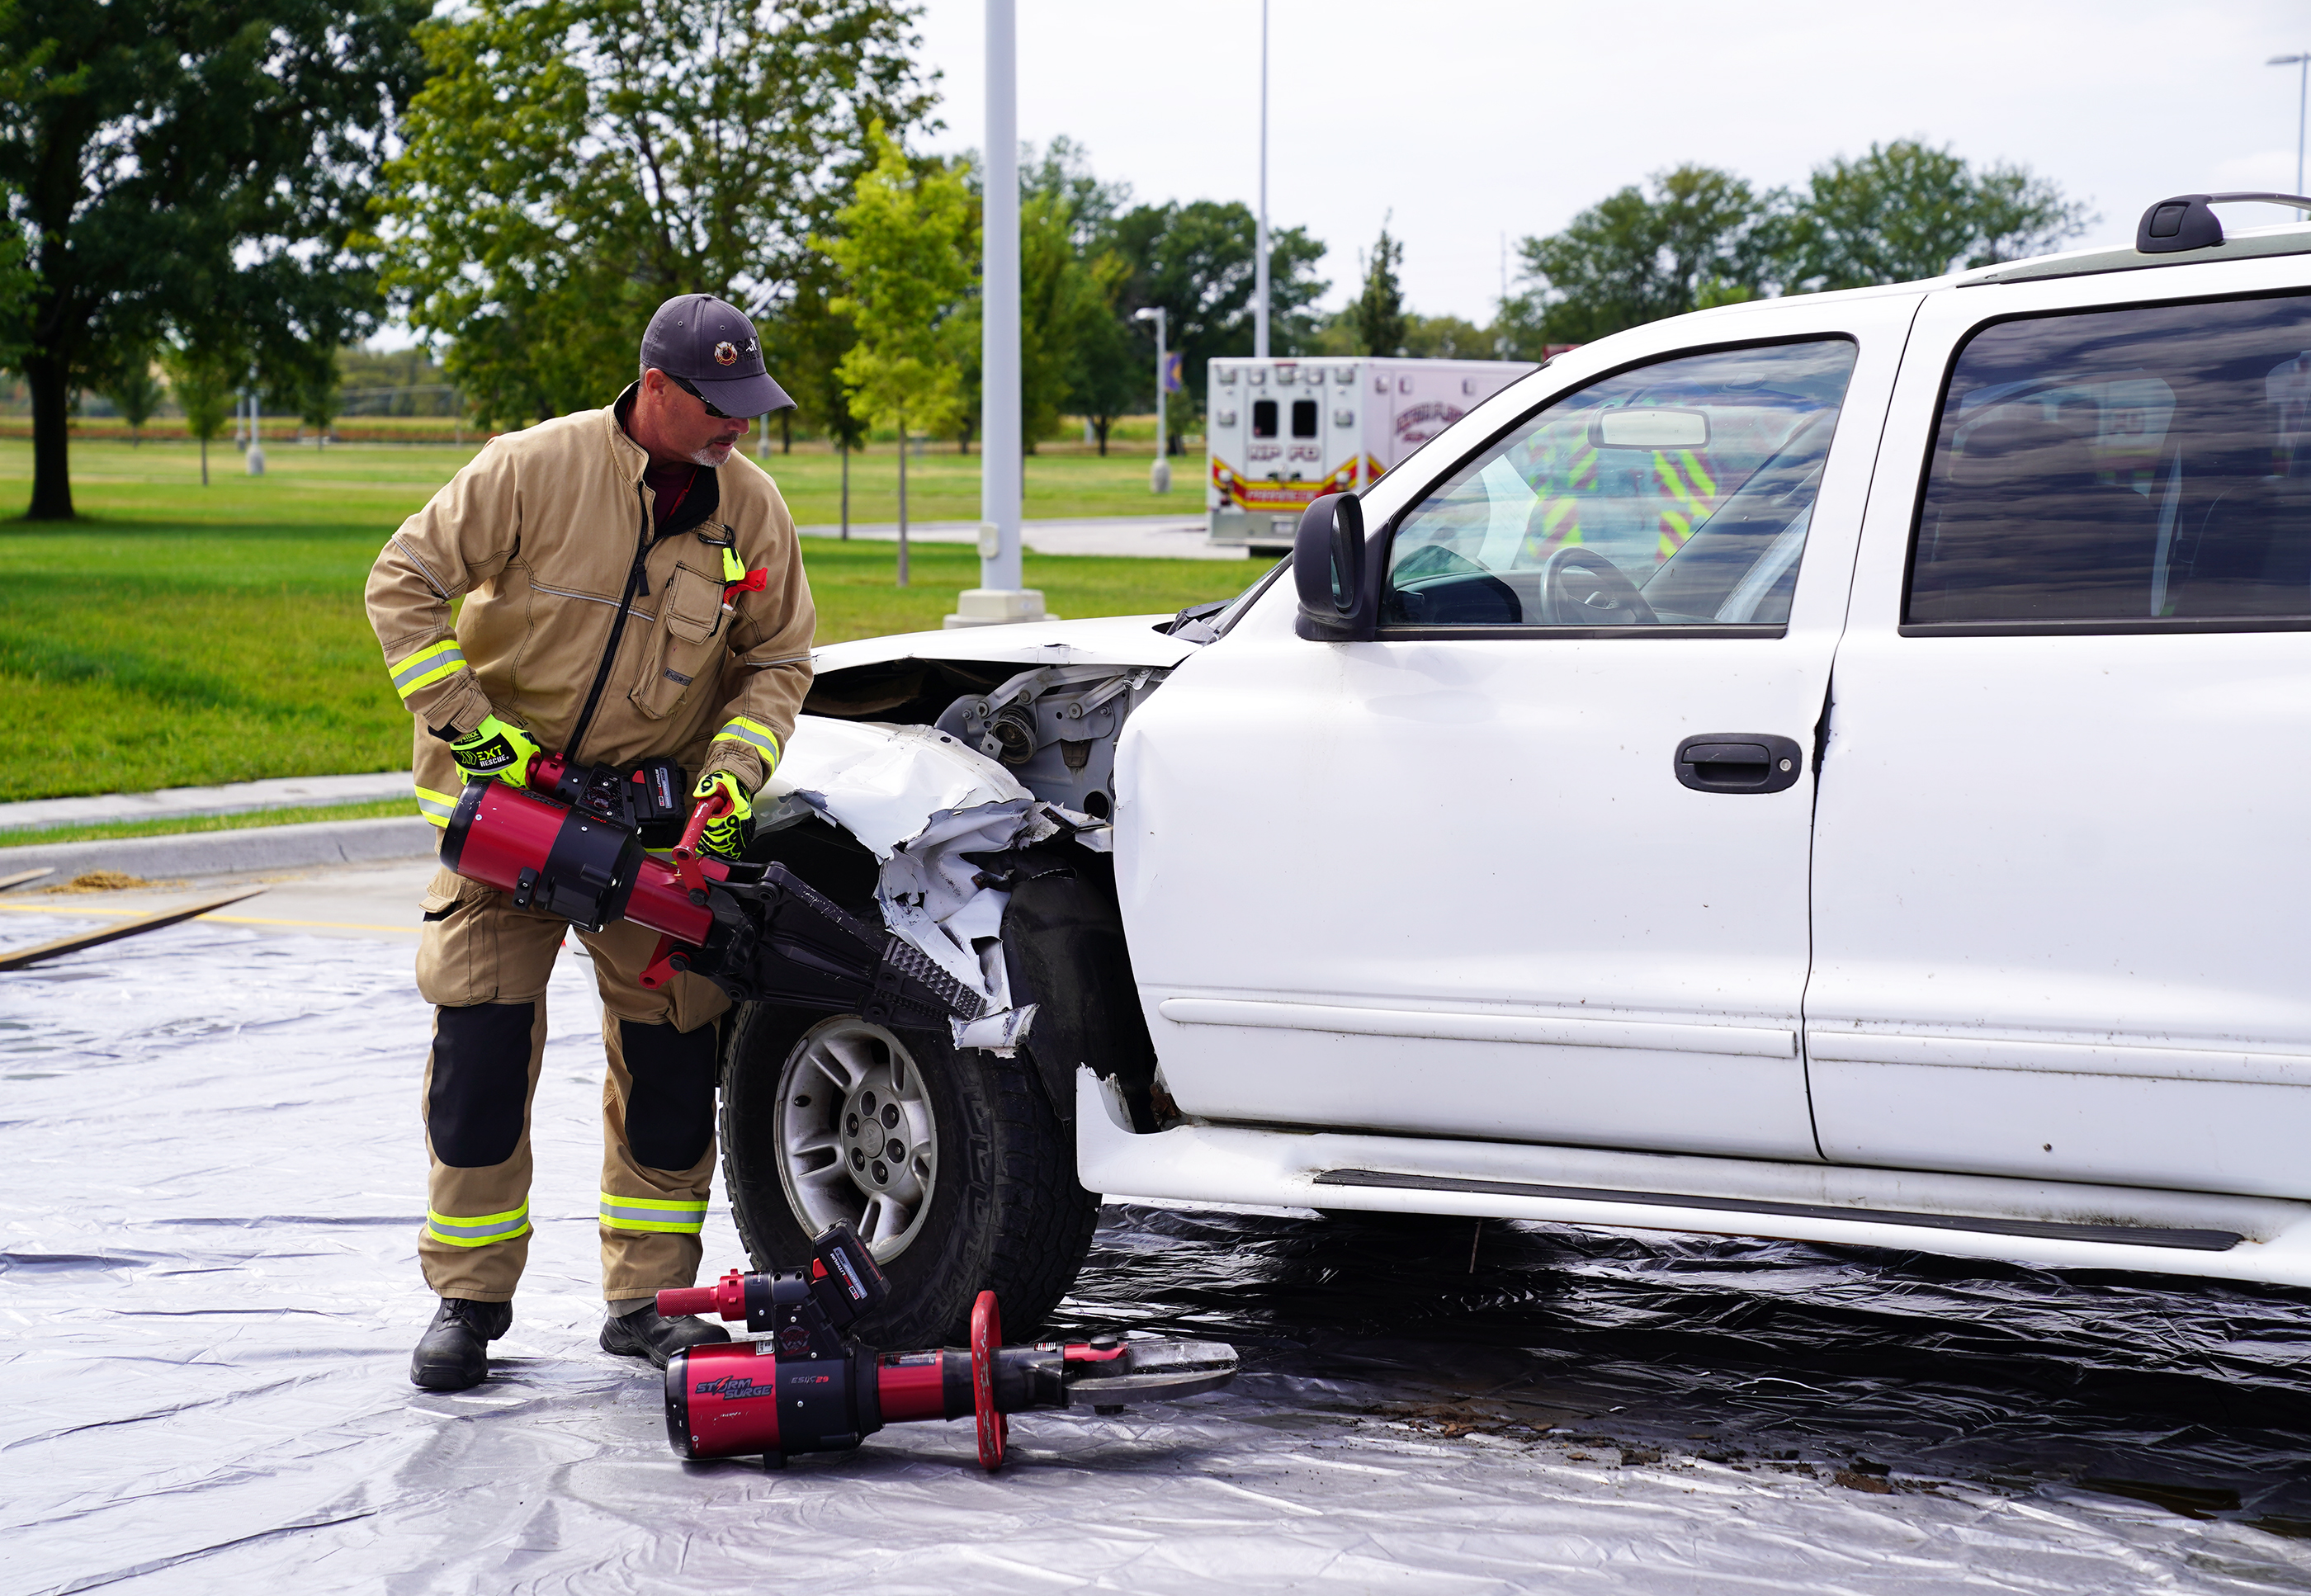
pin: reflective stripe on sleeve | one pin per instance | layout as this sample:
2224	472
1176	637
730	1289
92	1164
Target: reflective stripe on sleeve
479	1230
427	666
653	1213
436	806
752	733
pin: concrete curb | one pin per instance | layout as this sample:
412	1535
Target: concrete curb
232	797
219	853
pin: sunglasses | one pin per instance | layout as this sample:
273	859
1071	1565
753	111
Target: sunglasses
687	387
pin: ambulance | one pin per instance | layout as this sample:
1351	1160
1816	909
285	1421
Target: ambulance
1282	433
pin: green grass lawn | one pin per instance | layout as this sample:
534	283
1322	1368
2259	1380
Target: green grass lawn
179	635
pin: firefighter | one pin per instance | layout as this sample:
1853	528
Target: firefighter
632	590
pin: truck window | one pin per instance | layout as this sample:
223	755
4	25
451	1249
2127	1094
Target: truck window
2139	470
1303	418
1677	494
1263	418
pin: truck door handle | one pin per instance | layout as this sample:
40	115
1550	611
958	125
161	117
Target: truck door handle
1739	761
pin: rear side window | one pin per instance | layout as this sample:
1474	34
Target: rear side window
2141	469
1303	418
1263	418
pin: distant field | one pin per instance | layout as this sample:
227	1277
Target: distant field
1130	434
391	481
179	635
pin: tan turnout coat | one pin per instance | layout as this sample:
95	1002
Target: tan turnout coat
539	534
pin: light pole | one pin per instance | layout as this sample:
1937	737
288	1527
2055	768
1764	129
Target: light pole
1159	474
1259	235
2301	61
1002	460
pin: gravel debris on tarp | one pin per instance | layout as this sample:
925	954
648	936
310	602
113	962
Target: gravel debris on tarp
215	1181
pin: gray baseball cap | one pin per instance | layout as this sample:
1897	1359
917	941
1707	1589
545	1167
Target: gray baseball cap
710	344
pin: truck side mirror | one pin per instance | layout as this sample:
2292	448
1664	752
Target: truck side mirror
1332	567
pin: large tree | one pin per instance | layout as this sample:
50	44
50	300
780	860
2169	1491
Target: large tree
573	163
186	164
905	251
1195	260
135	392
1105	375
805	347
1701	237
202	376
1377	312
1906	211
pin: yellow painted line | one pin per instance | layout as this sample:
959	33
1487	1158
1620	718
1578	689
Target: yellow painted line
335	925
238	919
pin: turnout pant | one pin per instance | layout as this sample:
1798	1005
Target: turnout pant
483	964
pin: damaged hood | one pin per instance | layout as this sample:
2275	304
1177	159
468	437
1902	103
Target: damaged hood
1119	641
922	801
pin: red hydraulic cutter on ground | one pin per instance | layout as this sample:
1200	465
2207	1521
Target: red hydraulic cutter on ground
806	1388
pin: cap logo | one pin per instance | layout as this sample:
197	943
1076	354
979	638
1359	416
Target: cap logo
726	353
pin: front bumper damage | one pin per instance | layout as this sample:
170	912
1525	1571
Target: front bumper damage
935	814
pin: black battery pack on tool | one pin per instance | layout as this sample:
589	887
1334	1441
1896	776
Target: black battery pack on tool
648	797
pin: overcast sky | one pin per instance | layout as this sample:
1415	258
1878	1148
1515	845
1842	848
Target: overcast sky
1471	119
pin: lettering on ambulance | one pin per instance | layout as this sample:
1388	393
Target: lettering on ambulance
1257	493
1417	423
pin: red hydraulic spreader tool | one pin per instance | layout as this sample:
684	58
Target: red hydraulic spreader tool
805	1387
573	844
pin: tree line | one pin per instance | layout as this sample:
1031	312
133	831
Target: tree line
1699	236
235	192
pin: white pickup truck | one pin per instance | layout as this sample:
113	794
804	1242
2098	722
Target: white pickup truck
1836	767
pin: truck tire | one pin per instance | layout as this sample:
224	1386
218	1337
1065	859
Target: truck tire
979	1192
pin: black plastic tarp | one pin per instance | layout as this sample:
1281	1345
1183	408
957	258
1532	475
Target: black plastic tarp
213	1183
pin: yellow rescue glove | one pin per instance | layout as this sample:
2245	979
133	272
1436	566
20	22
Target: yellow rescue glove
493	749
724	837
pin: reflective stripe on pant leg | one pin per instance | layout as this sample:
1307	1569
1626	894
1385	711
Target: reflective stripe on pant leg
479	1230
653	1214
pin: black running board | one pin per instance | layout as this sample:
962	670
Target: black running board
2131	1235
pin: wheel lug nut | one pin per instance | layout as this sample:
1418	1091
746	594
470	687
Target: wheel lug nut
891	1115
851	1124
868	1102
857	1159
880	1174
894	1151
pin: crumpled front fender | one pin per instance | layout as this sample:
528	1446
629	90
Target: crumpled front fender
921	802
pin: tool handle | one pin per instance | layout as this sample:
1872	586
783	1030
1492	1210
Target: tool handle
685	852
726	1298
986	1341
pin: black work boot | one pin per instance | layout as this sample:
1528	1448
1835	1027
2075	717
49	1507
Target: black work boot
453	1353
643	1333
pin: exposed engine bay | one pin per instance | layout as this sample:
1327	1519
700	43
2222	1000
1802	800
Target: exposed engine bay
967	805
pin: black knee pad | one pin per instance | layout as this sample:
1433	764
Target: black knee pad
670	1108
481	1083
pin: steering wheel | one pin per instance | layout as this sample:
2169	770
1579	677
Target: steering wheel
1579	586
